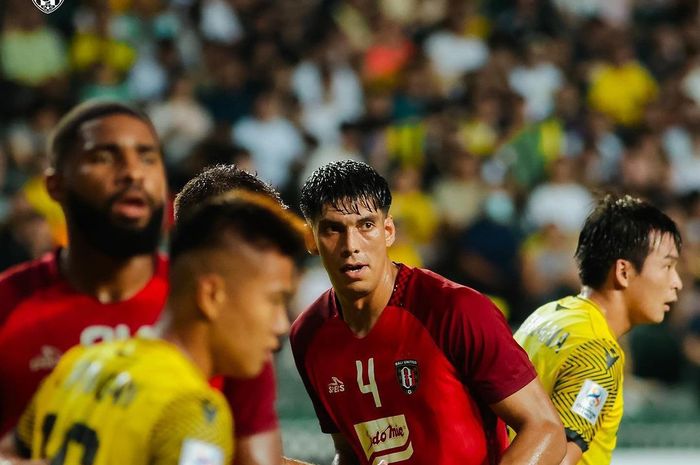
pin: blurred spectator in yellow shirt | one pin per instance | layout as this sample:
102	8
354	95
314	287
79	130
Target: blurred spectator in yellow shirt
622	89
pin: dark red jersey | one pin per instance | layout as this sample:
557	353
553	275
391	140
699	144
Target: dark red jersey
42	316
416	389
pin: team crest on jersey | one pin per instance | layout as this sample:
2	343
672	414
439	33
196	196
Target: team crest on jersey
407	375
47	6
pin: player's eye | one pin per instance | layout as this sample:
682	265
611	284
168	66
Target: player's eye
102	156
150	157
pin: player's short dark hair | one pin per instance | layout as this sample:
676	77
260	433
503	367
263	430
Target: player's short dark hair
254	218
344	185
217	180
64	136
619	228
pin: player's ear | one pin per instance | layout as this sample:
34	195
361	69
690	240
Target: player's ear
622	271
309	240
54	184
389	230
210	295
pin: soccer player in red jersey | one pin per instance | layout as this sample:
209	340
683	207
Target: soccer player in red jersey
401	364
108	175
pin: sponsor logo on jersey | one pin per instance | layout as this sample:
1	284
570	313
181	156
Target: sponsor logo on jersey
103	333
590	401
385	439
407	375
46	360
335	386
47	6
195	452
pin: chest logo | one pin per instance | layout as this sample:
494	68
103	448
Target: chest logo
335	386
407	375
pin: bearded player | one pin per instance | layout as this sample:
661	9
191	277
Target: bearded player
107	174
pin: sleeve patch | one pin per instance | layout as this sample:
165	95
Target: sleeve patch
196	452
590	401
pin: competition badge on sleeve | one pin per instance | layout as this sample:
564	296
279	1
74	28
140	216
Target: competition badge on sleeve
407	375
48	6
590	400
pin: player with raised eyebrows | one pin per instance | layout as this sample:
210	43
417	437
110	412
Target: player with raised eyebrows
148	400
627	254
401	364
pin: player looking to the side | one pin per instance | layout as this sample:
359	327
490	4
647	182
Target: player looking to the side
107	173
627	254
401	364
147	400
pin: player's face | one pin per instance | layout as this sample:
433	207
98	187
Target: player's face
117	169
254	312
653	289
353	248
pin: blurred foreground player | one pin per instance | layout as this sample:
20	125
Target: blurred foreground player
627	254
401	364
107	173
147	400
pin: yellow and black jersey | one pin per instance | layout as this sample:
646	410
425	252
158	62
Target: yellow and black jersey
133	402
580	364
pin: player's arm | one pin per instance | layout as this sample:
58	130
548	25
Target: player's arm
530	413
344	454
193	429
252	401
501	375
585	392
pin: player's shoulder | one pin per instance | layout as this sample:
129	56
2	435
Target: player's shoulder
23	280
442	294
311	319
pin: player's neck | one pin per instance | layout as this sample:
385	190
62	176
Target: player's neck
108	279
614	309
191	342
362	313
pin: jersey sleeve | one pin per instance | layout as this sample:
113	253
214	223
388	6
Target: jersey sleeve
586	388
300	338
193	429
484	351
252	402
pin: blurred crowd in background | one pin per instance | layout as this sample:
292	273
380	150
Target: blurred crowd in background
497	122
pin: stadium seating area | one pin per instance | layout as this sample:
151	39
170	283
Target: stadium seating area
497	123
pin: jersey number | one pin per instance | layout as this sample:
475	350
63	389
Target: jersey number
79	433
372	385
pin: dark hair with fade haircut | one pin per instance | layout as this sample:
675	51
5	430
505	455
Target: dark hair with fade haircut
619	228
346	186
254	218
65	134
217	180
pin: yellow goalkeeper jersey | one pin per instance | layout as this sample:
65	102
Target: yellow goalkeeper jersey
137	402
580	364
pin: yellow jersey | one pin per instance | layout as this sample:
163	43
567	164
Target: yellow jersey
580	364
137	402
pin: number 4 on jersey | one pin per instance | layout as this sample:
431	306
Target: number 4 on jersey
372	384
